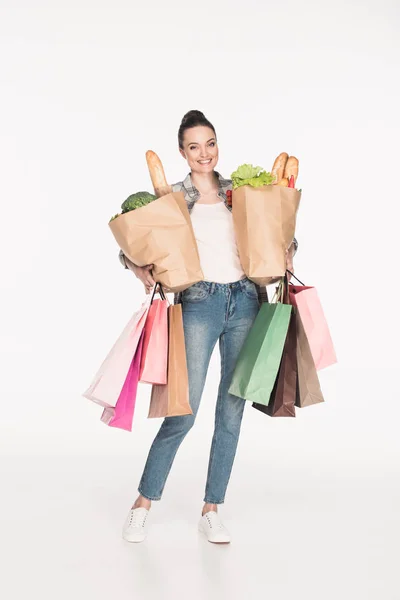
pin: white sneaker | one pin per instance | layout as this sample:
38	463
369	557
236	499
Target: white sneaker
210	524
136	525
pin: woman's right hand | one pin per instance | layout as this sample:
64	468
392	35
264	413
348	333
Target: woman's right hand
144	274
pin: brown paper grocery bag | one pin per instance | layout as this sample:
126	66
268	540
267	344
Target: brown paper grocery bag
265	222
161	234
308	387
172	399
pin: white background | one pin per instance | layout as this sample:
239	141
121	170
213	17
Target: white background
86	88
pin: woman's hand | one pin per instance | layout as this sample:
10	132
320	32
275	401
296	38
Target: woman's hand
142	273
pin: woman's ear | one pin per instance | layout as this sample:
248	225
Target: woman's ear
182	152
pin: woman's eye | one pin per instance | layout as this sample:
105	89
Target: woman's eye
212	144
192	147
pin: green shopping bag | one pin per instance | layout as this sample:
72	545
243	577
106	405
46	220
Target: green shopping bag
258	363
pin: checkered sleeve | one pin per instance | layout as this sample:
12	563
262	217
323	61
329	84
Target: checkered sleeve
122	260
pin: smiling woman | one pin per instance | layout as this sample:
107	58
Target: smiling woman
197	141
221	308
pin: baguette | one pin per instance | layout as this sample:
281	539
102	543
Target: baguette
157	175
284	182
279	166
292	168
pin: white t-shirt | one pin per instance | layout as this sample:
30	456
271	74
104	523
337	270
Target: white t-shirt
216	241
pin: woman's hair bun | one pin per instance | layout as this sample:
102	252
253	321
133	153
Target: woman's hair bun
193	114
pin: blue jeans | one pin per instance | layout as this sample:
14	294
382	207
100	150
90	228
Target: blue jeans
211	312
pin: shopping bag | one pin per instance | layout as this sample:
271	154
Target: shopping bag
264	219
122	415
107	384
315	325
161	234
172	399
309	390
154	361
259	359
283	396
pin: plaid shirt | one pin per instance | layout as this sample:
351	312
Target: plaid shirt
192	194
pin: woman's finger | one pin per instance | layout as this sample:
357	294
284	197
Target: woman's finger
148	284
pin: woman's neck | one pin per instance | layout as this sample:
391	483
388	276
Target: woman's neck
206	183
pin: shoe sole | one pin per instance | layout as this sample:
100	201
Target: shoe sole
212	541
133	540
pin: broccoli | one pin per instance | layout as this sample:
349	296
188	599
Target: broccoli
136	201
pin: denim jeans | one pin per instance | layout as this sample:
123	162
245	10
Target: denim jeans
211	312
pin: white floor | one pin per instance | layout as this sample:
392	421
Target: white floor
331	536
318	520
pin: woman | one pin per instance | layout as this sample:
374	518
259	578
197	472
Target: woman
221	308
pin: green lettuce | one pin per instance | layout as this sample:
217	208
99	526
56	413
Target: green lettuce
248	175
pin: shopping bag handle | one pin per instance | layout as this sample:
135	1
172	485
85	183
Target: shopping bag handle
281	290
293	275
160	291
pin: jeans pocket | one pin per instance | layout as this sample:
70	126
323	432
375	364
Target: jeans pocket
196	293
250	289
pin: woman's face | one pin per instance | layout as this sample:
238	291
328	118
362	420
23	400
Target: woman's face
200	149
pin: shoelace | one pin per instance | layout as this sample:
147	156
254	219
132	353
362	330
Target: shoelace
137	519
217	522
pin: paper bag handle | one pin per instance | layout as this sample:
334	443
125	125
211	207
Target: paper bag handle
160	291
293	275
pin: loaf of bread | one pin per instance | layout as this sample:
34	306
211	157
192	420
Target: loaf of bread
284	182
157	175
279	166
292	168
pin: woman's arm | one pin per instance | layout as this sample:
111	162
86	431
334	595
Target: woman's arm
142	273
128	264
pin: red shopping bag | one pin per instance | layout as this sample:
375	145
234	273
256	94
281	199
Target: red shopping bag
154	361
122	415
305	298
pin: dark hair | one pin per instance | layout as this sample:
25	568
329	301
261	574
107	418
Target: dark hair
193	118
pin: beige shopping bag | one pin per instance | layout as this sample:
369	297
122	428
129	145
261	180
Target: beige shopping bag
161	234
265	223
172	399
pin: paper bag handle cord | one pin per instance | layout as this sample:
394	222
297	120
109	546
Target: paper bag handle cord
160	291
280	290
293	275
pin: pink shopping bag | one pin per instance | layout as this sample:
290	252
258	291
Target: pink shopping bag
314	323
154	362
122	415
109	380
